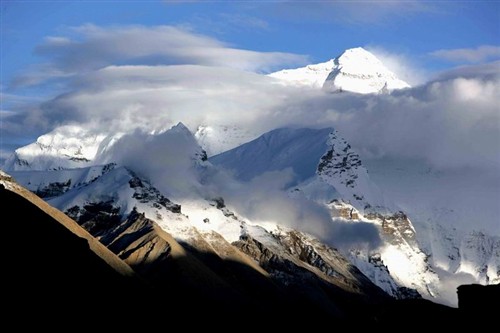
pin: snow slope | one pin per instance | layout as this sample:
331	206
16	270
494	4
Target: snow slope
358	70
313	76
299	149
341	168
68	146
219	138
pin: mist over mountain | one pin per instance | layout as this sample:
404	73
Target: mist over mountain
339	169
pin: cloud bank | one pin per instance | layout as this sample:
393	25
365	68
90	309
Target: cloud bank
90	47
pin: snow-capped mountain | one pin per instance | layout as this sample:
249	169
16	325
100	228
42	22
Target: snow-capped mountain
66	147
355	70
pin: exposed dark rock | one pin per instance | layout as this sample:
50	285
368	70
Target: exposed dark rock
96	218
146	193
54	189
220	205
340	161
79	159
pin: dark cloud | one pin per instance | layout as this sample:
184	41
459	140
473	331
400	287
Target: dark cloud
347	235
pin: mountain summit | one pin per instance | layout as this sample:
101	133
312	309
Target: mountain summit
355	70
358	70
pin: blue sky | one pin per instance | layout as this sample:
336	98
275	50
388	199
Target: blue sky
319	29
43	43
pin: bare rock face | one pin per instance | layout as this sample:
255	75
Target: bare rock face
316	273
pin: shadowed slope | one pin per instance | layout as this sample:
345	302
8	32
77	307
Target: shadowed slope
53	268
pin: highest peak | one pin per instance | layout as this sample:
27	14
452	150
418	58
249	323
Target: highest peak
358	70
359	58
356	51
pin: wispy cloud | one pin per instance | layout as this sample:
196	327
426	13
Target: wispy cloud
401	64
469	55
92	47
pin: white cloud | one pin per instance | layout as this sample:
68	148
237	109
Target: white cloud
156	97
469	55
488	71
166	159
450	123
264	199
92	47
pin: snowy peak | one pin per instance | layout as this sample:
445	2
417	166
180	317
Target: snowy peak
358	61
357	70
